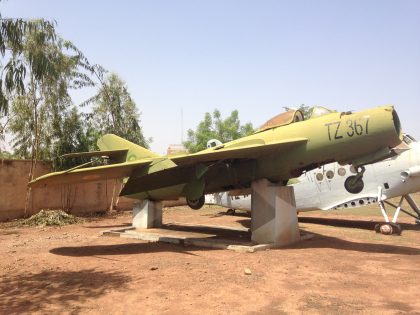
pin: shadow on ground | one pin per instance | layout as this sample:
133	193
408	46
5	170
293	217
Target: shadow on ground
29	293
322	241
231	237
358	224
120	249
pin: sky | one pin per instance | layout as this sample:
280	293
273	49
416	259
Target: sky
182	58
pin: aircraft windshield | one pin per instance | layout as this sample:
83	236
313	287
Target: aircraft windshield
319	111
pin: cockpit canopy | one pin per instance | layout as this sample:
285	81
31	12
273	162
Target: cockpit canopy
282	119
293	116
319	111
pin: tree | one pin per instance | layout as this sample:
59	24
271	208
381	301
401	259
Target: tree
12	38
51	67
71	137
114	111
214	127
36	115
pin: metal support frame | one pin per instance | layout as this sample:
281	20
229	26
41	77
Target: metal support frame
398	208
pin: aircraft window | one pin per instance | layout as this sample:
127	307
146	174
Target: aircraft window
319	177
341	171
406	139
412	139
386	185
319	111
352	169
330	174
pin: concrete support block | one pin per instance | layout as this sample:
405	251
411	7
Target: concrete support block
147	214
273	214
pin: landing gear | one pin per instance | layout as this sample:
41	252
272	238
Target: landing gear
391	227
354	184
196	203
388	228
230	212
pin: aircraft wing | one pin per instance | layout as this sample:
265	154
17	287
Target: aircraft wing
81	175
159	177
190	167
251	150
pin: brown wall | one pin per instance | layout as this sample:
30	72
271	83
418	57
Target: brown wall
78	198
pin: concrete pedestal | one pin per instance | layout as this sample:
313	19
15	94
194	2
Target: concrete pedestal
273	214
147	214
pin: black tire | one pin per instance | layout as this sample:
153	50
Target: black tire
354	187
197	203
230	212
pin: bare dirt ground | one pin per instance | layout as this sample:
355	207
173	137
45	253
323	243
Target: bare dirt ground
346	268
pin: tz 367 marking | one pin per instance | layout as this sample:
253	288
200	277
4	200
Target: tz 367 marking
336	131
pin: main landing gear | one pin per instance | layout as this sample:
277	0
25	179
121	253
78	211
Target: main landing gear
392	227
196	203
354	184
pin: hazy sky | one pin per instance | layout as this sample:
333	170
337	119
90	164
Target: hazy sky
254	56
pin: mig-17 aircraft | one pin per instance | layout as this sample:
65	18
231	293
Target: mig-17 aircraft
325	188
282	148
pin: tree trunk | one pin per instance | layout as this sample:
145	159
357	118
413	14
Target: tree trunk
34	149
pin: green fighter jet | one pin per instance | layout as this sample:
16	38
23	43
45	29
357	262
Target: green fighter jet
282	148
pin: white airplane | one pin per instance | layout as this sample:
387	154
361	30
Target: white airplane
329	187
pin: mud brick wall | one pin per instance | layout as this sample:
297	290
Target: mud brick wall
78	198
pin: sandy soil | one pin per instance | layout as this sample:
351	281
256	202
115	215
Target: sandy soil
346	268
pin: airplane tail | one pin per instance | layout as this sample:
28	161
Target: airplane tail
135	152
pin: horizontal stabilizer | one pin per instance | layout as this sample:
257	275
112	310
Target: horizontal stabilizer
90	174
116	156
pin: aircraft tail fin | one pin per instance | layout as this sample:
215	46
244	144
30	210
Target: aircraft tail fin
135	152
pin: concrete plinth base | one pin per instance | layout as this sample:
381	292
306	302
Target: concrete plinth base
273	216
147	214
215	237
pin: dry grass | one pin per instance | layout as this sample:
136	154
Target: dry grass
51	218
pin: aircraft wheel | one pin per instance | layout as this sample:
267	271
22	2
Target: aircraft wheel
386	229
197	203
397	229
352	186
230	212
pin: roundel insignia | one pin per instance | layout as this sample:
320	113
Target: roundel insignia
132	157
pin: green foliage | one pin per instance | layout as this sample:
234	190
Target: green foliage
40	116
38	70
13	36
6	155
114	111
306	110
214	127
71	137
